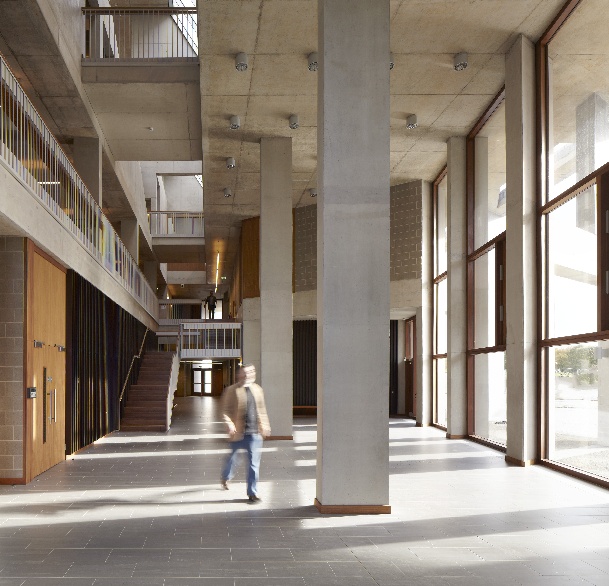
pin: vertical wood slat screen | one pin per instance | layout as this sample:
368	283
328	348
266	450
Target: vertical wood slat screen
305	363
102	339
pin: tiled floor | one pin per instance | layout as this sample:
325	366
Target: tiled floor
147	510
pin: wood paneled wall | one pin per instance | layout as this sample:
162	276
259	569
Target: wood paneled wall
250	257
305	363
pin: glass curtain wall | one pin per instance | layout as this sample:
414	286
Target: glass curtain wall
574	238
487	391
440	301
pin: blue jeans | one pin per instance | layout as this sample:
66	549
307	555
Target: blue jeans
252	444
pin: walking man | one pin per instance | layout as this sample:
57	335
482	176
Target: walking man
247	423
211	302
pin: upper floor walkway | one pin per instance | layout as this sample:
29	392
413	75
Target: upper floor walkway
138	508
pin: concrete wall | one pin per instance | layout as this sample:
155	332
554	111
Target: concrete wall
129	175
12	277
305	248
184	193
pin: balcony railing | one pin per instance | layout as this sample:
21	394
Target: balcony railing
34	156
176	223
200	339
140	34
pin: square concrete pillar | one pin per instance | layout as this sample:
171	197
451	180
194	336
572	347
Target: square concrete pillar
457	289
521	269
130	235
88	163
251	335
276	282
150	272
353	256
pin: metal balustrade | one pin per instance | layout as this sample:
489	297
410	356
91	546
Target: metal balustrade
176	223
200	339
33	155
141	34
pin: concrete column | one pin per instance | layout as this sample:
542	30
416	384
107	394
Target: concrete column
130	235
251	335
423	373
88	163
457	290
353	256
521	308
276	282
591	136
150	272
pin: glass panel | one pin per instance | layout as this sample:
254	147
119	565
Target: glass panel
491	397
490	179
579	92
484	300
578	406
440	385
441	227
572	270
440	317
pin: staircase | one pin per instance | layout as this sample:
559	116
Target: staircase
150	399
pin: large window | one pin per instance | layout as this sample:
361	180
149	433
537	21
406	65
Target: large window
487	390
440	301
575	241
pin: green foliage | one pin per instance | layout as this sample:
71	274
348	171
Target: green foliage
579	362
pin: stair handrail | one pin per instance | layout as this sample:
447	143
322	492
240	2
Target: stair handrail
135	357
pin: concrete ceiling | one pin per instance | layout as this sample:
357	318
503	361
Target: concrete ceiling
278	35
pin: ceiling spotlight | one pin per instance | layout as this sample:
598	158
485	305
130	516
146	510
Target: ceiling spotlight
411	122
241	62
150	128
313	63
294	121
228	192
313	192
460	62
235	123
391	61
230	163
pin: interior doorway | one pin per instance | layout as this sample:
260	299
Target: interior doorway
410	354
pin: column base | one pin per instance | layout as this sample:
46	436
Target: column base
516	462
353	509
278	437
455	436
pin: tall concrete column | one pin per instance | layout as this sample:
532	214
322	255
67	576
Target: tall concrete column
424	349
276	282
251	336
521	308
457	289
88	163
353	257
130	235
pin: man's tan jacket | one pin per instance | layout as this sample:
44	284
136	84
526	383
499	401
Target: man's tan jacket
234	404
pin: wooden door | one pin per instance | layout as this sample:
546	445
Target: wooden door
46	364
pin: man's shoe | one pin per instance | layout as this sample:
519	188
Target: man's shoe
254	498
224	484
